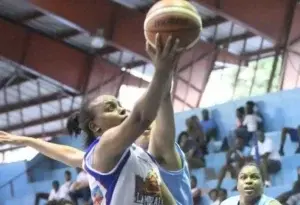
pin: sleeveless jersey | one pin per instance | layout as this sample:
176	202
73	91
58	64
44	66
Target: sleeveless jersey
234	200
135	180
178	182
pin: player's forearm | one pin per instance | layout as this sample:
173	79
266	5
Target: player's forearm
147	106
165	124
65	154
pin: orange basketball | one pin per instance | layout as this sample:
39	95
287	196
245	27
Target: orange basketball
178	18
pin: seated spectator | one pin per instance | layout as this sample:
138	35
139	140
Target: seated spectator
209	126
194	129
196	192
195	132
60	202
253	105
213	196
240	114
284	197
80	188
64	190
235	160
54	194
218	196
190	148
251	121
294	135
269	156
222	195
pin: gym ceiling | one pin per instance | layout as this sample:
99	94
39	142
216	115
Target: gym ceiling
48	62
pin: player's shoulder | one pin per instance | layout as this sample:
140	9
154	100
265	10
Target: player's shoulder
274	202
231	200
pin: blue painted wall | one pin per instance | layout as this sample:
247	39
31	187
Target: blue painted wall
279	109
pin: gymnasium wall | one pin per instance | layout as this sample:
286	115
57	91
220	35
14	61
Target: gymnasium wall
279	109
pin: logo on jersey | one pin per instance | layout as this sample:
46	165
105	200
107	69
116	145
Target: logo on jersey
97	196
148	191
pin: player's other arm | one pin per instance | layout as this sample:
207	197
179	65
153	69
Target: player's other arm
68	155
162	138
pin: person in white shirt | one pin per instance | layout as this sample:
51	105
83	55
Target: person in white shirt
54	194
80	188
269	156
251	121
65	189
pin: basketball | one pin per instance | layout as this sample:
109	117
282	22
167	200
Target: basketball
177	18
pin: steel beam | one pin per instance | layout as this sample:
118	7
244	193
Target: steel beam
31	102
254	15
38	121
116	20
48	57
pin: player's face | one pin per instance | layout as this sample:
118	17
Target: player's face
108	113
250	183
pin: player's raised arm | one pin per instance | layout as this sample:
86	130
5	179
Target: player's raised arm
117	139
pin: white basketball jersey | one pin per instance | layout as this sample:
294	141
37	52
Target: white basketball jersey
134	181
234	200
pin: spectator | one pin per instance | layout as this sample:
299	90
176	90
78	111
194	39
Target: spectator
54	194
194	130
240	114
294	135
269	156
251	121
80	188
253	105
60	202
217	196
190	148
209	126
235	160
196	192
64	190
213	196
290	195
222	195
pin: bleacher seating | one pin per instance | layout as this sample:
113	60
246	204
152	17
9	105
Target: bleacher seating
24	192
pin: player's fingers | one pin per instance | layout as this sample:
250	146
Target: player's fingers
158	44
175	47
168	46
150	50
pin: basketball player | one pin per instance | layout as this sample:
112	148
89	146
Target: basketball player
250	186
173	166
125	173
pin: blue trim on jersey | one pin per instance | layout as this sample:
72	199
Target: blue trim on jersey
107	180
178	181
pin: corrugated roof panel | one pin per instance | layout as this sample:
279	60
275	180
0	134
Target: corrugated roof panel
83	40
15	8
204	12
49	25
254	44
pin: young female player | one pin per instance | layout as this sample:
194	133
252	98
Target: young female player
125	173
173	166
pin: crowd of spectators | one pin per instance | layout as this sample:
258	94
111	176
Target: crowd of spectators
69	192
247	142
